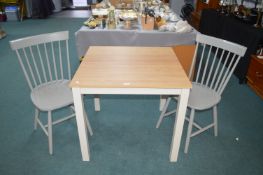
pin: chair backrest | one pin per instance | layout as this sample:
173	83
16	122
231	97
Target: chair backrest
43	58
214	62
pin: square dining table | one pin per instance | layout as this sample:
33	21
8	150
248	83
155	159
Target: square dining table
130	71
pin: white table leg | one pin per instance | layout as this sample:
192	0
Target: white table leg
97	102
179	124
83	137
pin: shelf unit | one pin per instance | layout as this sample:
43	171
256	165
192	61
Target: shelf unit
255	75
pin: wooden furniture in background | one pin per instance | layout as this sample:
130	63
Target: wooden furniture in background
200	5
255	75
19	3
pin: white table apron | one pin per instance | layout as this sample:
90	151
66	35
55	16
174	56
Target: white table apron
178	124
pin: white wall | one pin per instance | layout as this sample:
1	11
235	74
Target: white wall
79	3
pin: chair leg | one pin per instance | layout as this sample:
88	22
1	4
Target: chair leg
215	120
189	131
36	118
163	99
87	122
97	102
163	112
50	136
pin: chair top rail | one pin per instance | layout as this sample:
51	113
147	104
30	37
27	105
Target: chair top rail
44	57
209	72
224	44
39	39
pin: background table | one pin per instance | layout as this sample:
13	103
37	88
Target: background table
86	37
232	29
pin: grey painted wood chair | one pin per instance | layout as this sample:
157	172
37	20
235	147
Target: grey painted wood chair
45	62
213	64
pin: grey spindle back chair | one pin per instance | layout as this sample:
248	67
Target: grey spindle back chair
38	59
213	64
45	62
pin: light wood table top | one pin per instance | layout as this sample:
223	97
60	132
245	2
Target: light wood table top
130	70
130	67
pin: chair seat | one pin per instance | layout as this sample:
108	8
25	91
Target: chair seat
52	95
202	97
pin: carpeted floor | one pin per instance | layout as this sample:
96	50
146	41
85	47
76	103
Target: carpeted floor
125	140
